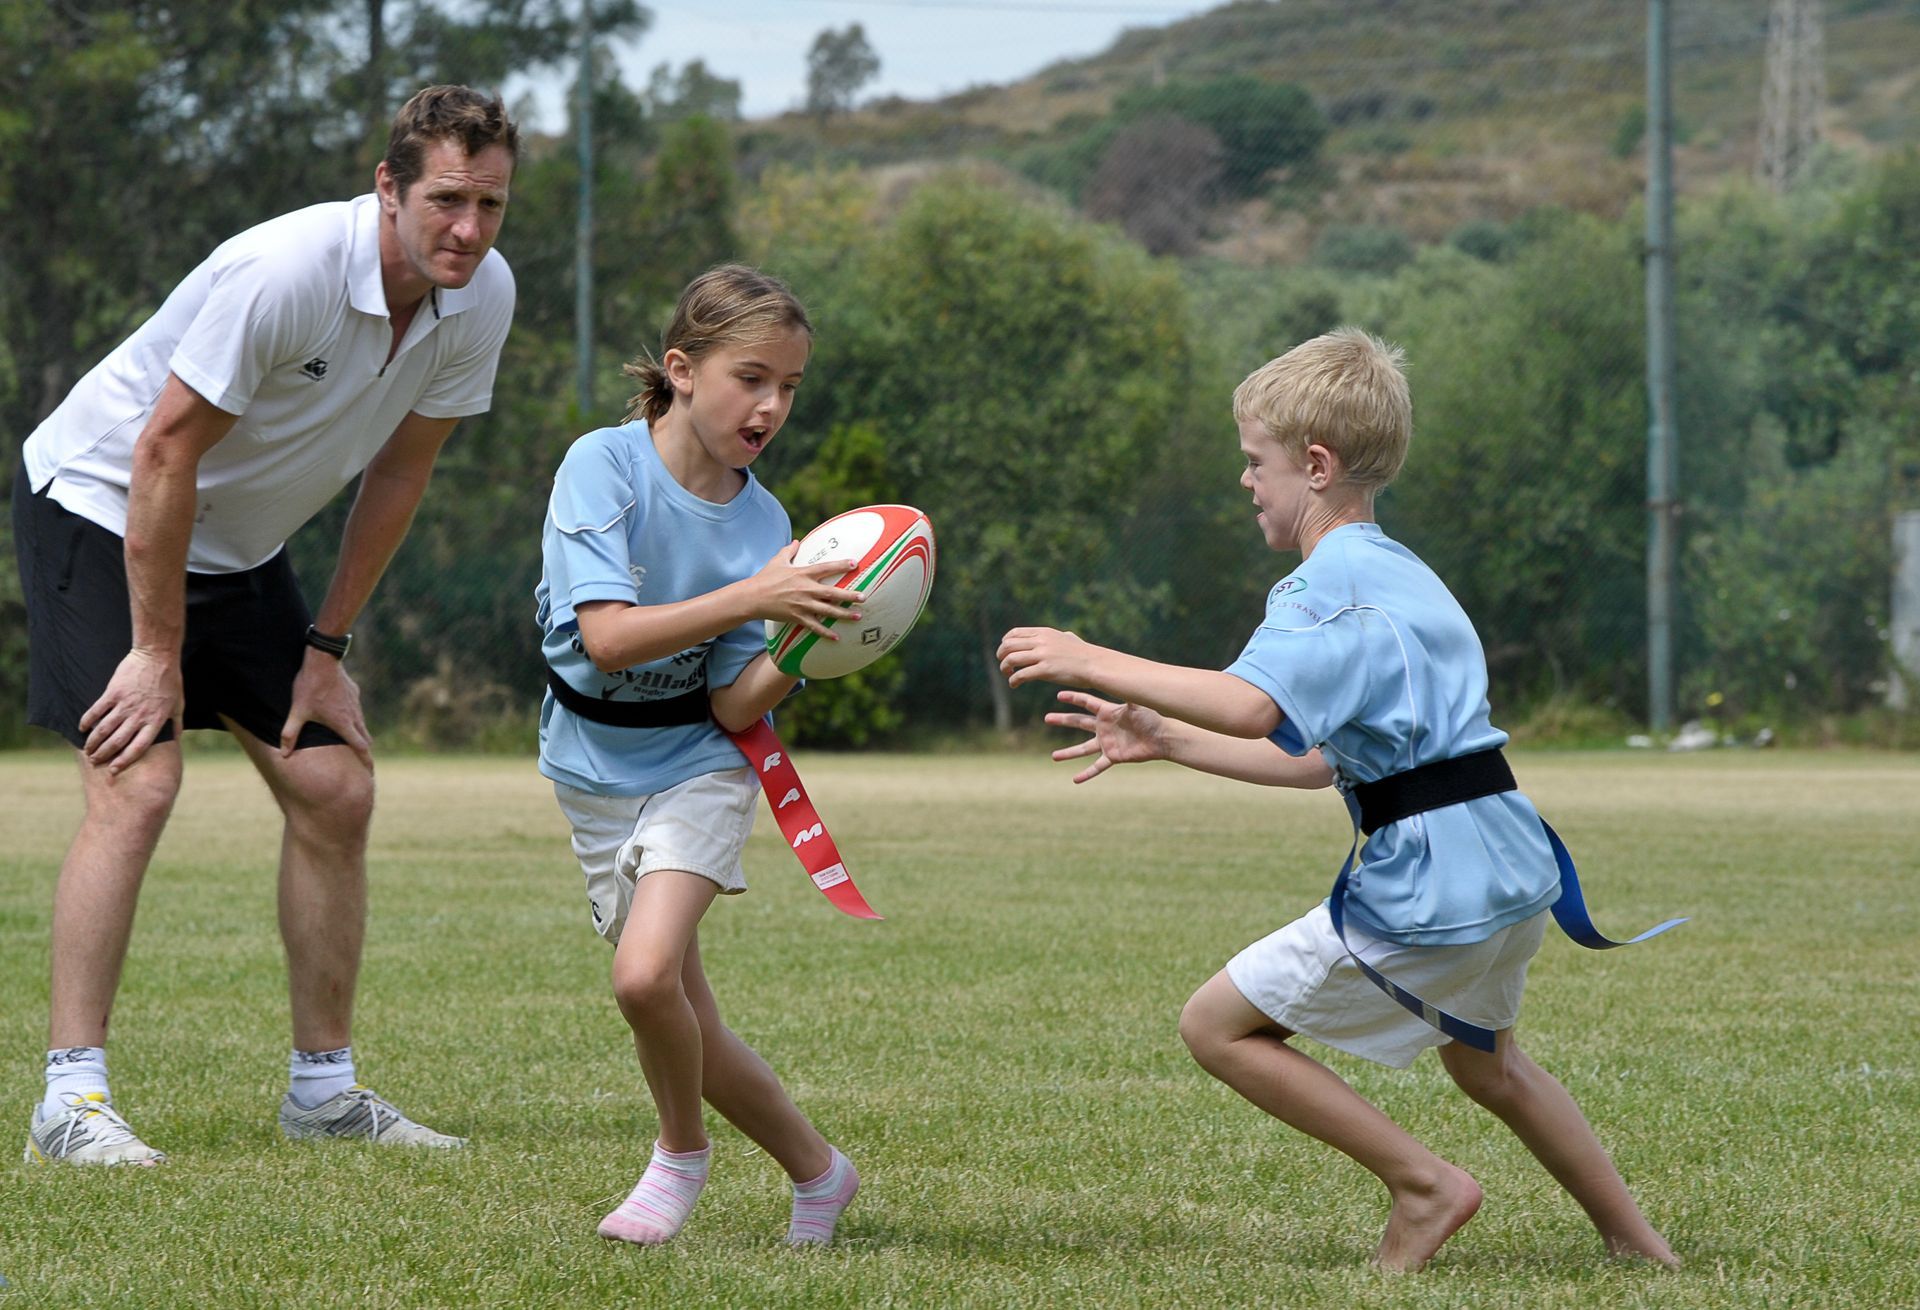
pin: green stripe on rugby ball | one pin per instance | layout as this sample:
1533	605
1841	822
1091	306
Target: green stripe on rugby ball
893	550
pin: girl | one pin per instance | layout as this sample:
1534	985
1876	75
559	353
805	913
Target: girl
661	558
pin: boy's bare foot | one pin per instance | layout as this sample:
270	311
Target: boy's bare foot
1422	1220
1647	1245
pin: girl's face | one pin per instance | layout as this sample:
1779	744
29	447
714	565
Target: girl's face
737	397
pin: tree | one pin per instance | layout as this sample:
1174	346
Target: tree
693	90
1362	248
1798	332
157	130
1157	180
848	469
838	65
1261	125
1525	486
135	137
480	45
129	150
1790	596
1025	370
689	202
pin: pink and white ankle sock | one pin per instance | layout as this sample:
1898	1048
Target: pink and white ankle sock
817	1204
660	1202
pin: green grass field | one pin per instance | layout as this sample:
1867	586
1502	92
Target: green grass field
999	1056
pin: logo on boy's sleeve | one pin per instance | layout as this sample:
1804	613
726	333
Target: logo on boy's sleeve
1286	596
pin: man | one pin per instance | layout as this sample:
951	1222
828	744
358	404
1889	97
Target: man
150	516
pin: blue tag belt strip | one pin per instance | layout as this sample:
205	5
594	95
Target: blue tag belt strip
1570	912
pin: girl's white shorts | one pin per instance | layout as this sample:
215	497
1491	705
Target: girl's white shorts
1302	978
699	826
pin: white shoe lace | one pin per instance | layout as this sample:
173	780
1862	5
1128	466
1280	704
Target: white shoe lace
113	1131
377	1106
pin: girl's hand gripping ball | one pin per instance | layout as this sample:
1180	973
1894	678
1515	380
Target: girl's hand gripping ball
893	553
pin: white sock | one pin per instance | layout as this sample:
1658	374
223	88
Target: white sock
315	1077
660	1202
75	1071
817	1204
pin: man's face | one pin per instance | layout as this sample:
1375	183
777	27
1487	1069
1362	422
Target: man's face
448	219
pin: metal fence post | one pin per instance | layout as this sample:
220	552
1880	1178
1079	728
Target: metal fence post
1906	607
1661	461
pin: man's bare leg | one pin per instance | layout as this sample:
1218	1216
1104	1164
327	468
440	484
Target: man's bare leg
325	795
99	888
94	900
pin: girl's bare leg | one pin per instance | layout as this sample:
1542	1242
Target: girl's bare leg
648	969
743	1088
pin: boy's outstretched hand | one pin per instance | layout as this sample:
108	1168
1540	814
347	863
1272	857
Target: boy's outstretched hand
1119	733
1044	655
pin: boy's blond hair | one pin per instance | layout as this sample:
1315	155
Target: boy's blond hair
1346	391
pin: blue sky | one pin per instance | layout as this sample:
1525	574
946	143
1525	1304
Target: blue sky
927	48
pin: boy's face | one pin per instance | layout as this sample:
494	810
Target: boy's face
1280	487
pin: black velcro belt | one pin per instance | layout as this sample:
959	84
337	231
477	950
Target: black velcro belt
1431	787
667	712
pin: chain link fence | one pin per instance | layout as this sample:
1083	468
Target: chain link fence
1033	303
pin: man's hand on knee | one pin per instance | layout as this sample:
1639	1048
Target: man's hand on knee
144	695
324	693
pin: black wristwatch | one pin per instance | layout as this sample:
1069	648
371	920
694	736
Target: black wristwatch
326	641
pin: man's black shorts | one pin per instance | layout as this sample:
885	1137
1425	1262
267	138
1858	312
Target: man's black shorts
246	632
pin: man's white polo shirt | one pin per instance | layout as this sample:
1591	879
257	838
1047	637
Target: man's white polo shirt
286	326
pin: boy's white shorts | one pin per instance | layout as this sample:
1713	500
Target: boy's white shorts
699	826
1302	979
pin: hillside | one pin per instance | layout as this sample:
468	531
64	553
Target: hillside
1440	112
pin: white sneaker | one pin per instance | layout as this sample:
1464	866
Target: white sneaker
87	1131
358	1112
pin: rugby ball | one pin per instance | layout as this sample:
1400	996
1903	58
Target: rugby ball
892	546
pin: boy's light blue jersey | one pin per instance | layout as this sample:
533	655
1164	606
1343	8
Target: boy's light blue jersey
619	527
1370	658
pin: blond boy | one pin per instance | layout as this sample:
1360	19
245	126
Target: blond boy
1364	670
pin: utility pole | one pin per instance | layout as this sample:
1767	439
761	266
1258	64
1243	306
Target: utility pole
1662	460
1791	97
583	234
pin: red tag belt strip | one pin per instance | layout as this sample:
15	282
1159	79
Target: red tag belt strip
799	822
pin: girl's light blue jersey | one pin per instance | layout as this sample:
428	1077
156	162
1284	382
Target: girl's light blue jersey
619	527
1370	658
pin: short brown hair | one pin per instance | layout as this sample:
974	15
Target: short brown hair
729	305
1346	391
446	113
